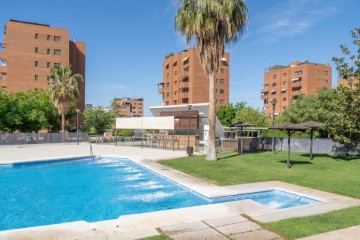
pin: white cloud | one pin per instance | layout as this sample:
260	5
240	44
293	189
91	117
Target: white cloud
293	17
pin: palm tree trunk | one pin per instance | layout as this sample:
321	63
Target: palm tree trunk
63	126
211	147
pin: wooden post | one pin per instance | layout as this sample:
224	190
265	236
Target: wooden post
311	143
288	158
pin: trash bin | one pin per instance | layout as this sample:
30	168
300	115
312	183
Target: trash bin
189	150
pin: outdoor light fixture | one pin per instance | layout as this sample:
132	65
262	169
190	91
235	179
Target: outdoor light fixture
77	126
273	103
189	150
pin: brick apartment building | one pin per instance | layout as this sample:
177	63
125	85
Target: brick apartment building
186	82
131	107
286	83
30	50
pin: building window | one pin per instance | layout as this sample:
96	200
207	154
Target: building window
48	51
36	77
167	94
175	102
186	61
284	74
36	63
186	69
36	36
175	82
284	107
57	65
57	52
57	39
295	89
175	64
48	37
48	64
36	49
273	92
274	84
185	90
167	85
222	81
326	73
175	92
185	100
222	91
284	83
274	76
222	102
175	73
167	66
222	70
167	103
298	72
167	76
284	99
266	85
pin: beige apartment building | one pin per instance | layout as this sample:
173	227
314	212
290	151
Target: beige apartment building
186	82
131	107
30	50
286	83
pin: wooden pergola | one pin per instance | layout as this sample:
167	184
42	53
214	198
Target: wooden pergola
289	129
241	125
312	125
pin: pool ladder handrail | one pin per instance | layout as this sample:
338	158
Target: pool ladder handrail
91	152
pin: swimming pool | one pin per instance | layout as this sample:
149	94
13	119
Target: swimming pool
50	192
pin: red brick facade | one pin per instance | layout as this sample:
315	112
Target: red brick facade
30	50
286	83
186	82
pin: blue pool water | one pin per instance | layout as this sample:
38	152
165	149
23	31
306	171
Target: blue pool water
43	193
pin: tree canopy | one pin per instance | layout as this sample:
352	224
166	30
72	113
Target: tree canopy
213	24
99	119
64	90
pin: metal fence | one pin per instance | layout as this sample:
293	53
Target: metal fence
320	145
37	138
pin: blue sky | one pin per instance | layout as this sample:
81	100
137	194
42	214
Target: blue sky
127	40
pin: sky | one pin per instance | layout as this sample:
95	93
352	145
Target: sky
126	41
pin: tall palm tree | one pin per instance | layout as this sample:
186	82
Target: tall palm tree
213	24
64	90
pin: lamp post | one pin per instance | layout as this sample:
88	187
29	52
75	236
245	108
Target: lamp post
189	150
273	102
77	126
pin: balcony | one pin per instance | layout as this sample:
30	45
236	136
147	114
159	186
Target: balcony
183	84
161	88
184	95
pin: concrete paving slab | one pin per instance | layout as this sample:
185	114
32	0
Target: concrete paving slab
132	235
216	222
351	233
236	228
256	235
97	238
185	227
203	234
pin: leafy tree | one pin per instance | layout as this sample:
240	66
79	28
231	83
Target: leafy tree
26	111
64	91
344	124
227	113
123	132
251	115
309	108
212	24
99	119
348	66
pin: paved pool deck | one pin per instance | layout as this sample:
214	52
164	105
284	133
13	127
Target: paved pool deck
215	221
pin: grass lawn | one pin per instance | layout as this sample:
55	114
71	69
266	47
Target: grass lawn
337	174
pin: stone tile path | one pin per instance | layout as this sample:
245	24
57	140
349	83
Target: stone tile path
231	227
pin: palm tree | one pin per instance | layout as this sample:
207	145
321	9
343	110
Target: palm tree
212	23
64	90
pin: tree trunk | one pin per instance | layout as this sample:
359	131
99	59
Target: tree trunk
211	147
311	144
63	126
